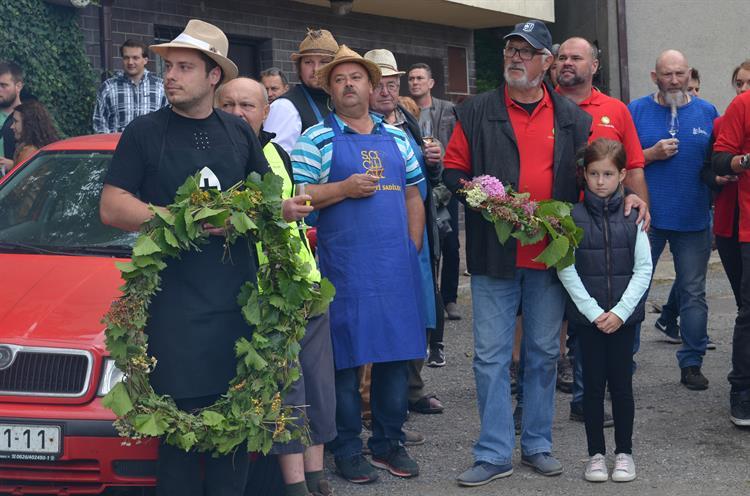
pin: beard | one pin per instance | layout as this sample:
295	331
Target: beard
674	98
8	102
522	83
567	79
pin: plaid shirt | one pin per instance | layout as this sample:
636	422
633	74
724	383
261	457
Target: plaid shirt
119	101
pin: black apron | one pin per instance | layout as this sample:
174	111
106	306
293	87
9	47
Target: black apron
195	319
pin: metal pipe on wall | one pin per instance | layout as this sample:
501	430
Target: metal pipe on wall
105	37
622	48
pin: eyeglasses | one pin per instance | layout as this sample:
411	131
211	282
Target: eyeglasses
391	86
525	53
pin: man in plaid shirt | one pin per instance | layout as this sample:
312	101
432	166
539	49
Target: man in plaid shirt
127	95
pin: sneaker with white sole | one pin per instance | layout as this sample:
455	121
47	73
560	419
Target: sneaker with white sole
596	469
624	470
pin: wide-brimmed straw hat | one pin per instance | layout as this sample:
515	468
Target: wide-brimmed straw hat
317	42
385	60
205	38
344	55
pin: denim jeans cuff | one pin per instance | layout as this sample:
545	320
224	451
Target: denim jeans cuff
534	451
495	461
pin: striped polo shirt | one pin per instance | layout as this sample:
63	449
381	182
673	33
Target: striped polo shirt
312	154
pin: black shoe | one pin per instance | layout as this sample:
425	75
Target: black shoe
671	333
693	379
397	461
436	357
740	408
565	375
356	469
576	415
452	310
517	417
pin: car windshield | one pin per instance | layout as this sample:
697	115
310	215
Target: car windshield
51	205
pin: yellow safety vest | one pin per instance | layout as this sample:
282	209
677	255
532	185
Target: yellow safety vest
287	191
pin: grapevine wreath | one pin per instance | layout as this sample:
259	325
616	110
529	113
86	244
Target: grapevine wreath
278	307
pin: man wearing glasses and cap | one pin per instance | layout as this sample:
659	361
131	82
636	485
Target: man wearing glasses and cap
307	103
194	320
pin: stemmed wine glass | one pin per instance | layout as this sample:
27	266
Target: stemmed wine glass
300	190
426	128
673	123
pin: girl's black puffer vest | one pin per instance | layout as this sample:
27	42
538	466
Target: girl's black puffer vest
605	257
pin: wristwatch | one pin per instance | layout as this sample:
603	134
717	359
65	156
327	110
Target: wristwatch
745	161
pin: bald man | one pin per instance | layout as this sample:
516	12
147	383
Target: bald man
301	467
674	131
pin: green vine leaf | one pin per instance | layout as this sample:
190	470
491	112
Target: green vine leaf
144	245
118	400
150	424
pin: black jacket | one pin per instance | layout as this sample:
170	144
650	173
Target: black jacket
494	151
606	255
306	113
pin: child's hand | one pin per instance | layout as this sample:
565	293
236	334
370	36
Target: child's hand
608	322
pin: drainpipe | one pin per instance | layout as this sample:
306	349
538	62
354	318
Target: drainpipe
105	37
622	48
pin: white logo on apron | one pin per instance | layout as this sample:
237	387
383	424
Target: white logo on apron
209	179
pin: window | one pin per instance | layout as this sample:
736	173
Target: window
458	71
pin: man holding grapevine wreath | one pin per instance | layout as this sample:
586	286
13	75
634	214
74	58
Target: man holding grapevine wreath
194	320
526	135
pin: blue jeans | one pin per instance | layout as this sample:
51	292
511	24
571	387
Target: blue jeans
495	302
690	251
388	402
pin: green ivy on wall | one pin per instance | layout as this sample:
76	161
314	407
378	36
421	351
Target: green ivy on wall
47	42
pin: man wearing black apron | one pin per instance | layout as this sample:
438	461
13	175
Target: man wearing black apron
307	103
363	177
194	320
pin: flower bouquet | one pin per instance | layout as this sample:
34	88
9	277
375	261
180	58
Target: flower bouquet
516	215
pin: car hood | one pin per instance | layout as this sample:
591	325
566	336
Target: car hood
56	300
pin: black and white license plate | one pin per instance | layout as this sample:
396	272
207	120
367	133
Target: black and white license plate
30	442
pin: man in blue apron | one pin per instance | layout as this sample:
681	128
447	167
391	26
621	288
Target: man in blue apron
363	177
194	320
301	466
307	103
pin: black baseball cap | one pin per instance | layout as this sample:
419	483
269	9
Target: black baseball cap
533	31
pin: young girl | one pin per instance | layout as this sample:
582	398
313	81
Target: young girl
611	273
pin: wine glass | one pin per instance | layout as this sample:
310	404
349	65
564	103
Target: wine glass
426	128
673	123
300	190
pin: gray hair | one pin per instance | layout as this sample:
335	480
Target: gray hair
275	71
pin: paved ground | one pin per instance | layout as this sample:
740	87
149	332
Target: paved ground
684	443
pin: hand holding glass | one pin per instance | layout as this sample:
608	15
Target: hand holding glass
299	191
673	123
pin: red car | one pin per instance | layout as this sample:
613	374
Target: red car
58	280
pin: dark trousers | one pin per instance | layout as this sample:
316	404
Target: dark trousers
739	377
450	251
607	360
388	391
731	260
200	474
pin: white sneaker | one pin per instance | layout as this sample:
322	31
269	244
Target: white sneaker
624	468
596	469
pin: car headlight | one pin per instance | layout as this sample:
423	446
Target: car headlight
111	375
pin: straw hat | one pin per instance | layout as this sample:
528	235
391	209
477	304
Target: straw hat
344	55
385	60
205	38
317	42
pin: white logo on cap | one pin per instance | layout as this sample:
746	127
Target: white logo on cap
528	27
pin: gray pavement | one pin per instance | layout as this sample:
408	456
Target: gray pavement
684	443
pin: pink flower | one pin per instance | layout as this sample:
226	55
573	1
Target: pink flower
491	186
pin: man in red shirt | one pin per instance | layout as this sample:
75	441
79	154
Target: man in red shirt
732	156
525	135
578	61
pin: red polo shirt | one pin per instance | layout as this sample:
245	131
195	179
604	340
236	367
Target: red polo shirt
734	138
535	139
612	120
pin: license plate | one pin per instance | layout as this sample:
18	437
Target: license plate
29	442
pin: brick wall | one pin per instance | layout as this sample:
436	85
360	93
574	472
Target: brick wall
281	23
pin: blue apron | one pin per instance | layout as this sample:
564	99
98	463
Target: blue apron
365	251
425	264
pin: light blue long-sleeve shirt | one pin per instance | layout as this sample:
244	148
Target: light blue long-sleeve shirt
637	286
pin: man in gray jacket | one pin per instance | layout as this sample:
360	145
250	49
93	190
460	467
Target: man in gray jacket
436	122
